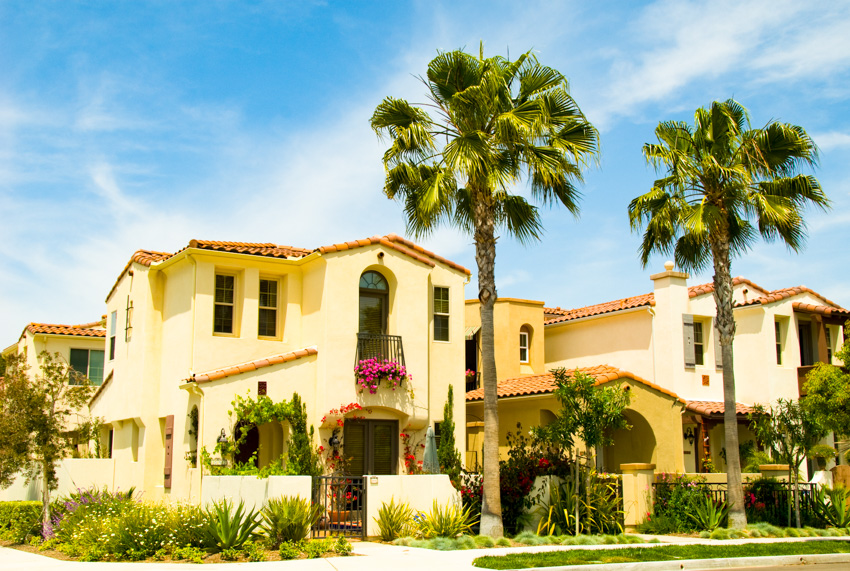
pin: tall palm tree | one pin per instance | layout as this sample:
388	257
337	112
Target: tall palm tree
495	122
726	184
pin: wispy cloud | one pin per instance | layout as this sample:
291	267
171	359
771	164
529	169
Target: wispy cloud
832	140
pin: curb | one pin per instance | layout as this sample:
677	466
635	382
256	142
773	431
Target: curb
706	564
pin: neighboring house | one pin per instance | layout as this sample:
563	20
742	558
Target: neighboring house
80	346
192	330
667	342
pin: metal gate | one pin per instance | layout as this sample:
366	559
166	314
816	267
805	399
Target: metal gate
343	499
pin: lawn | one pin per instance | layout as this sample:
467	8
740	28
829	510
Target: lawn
663	553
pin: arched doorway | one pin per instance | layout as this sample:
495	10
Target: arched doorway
635	445
250	446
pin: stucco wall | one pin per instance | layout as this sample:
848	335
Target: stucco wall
419	491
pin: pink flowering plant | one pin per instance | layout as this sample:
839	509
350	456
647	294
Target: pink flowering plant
369	373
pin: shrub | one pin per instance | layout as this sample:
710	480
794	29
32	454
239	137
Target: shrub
229	554
503	542
288	519
708	515
254	551
342	546
20	520
394	520
317	547
229	528
289	550
192	554
676	496
833	506
452	521
484	541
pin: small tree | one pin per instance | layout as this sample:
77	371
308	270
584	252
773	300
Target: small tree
447	453
34	414
789	430
828	392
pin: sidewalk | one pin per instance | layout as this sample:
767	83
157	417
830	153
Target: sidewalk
382	557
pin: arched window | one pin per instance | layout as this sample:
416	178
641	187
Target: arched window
374	303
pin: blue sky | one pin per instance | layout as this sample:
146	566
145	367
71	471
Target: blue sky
127	125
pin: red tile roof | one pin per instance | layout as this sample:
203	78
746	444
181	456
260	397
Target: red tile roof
545	383
392	241
84	330
252	365
557	315
811	308
707	408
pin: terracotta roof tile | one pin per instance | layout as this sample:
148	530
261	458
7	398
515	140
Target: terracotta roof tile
785	293
256	249
252	365
399	244
707	408
545	383
85	330
560	315
143	257
702	289
821	309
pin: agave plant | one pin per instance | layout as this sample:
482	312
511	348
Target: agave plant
227	528
831	504
394	520
452	521
708	514
289	518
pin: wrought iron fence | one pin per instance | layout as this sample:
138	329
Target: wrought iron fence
343	499
371	346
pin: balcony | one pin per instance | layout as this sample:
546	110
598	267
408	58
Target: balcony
371	346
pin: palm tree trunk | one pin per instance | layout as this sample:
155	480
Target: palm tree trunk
726	329
485	257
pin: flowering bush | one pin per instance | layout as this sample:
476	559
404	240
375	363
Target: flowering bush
369	373
470	374
411	464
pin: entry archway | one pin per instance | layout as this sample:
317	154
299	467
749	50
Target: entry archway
634	445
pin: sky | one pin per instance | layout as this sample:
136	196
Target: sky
130	125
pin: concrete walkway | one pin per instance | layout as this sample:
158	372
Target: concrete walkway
382	557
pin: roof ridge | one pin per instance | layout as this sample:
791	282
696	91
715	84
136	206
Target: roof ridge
229	371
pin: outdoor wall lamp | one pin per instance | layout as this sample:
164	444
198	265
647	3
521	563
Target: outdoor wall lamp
334	440
222	438
689	435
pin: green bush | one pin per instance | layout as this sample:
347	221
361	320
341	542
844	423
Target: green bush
342	546
229	528
290	550
20	520
833	506
708	515
451	521
193	554
288	518
254	551
676	496
598	508
317	547
394	520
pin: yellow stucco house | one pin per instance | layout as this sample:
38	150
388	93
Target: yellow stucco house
187	332
664	347
80	346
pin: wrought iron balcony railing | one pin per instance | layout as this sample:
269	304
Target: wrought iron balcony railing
371	346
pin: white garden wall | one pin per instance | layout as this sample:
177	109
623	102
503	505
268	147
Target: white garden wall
418	491
255	492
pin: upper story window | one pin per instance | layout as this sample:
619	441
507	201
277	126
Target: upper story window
267	326
699	344
777	328
828	345
441	314
695	332
807	355
523	345
374	303
86	363
225	288
113	328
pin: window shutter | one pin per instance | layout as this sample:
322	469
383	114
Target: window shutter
718	355
354	447
688	334
382	449
169	450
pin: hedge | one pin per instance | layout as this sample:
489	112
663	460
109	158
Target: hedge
19	520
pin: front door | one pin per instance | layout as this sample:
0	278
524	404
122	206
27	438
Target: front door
371	446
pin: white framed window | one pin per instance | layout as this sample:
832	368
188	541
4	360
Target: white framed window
267	319
113	328
699	344
523	346
441	313
86	363
828	345
777	328
225	293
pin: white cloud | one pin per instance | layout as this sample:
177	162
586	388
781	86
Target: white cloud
832	140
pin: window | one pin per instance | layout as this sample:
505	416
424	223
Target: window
699	345
523	346
828	345
374	303
807	358
113	327
372	446
441	314
268	308
86	363
778	332
223	313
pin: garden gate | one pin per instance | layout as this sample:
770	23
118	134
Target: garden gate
343	501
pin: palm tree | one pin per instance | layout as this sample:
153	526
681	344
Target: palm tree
726	184
495	123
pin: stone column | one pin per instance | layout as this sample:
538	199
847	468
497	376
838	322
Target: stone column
638	494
